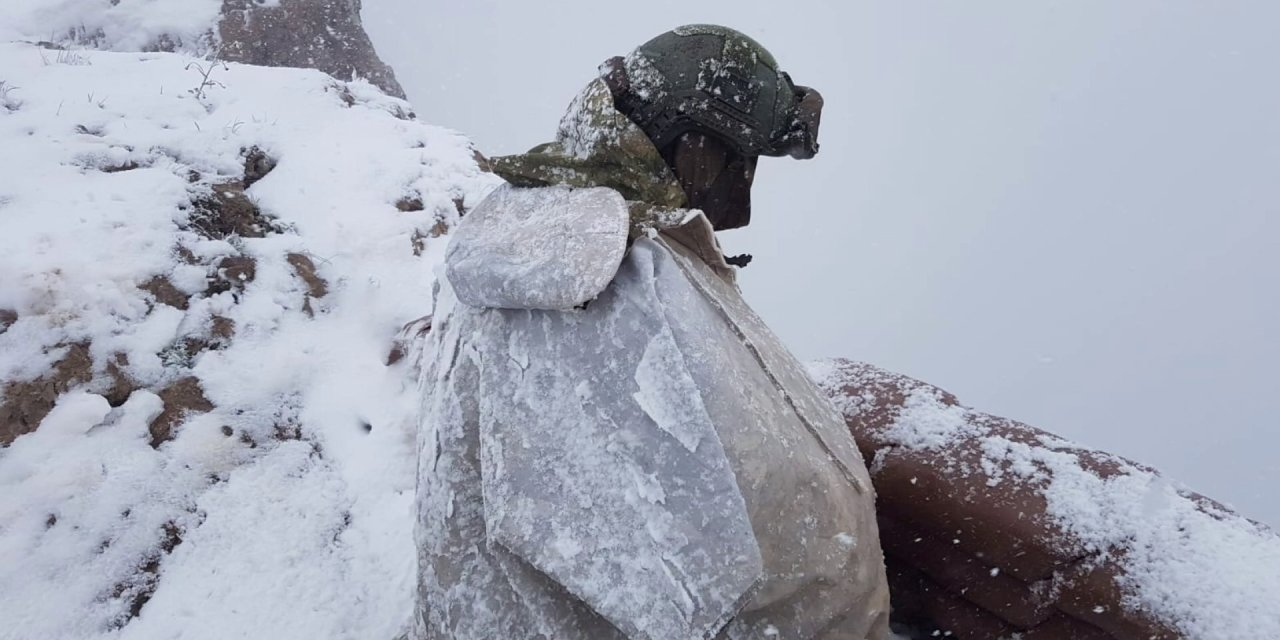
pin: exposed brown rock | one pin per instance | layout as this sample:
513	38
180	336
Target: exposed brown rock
410	203
306	269
316	286
419	239
482	161
181	398
257	164
7	318
238	270
120	385
317	34
117	168
24	404
162	289
226	212
222	329
184	254
408	335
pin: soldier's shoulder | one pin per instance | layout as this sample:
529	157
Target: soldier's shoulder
550	247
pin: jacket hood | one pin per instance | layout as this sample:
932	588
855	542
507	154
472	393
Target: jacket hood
597	146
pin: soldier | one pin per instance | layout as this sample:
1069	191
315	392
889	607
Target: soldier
613	444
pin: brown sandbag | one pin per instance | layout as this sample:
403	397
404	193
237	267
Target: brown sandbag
975	543
1092	593
1063	627
934	611
985	585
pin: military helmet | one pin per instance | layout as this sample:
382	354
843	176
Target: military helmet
716	80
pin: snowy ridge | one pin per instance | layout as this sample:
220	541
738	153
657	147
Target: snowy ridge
118	25
209	280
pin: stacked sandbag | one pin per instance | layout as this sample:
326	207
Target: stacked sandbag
995	529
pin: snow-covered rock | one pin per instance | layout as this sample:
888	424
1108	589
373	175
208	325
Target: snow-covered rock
201	277
316	34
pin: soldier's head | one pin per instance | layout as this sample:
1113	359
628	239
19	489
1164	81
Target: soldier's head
713	101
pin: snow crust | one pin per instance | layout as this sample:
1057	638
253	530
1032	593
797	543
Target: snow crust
298	524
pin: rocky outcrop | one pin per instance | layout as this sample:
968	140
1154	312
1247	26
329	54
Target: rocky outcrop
316	34
995	529
23	404
327	35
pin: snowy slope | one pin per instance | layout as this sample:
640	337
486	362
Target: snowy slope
277	502
119	25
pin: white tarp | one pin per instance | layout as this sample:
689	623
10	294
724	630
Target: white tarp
657	455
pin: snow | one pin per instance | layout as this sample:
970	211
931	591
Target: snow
299	523
121	25
927	423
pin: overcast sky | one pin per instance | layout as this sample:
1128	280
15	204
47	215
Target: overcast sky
1064	212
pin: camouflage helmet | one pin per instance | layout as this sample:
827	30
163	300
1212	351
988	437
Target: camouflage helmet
715	80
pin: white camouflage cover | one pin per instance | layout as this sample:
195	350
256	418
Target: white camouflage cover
651	465
518	244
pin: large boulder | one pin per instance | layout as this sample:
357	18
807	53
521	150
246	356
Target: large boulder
317	34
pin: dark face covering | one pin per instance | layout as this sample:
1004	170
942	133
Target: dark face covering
715	178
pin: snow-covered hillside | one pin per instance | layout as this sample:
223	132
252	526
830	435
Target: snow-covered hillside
219	269
207	416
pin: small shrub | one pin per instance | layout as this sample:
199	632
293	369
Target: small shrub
205	69
7	101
